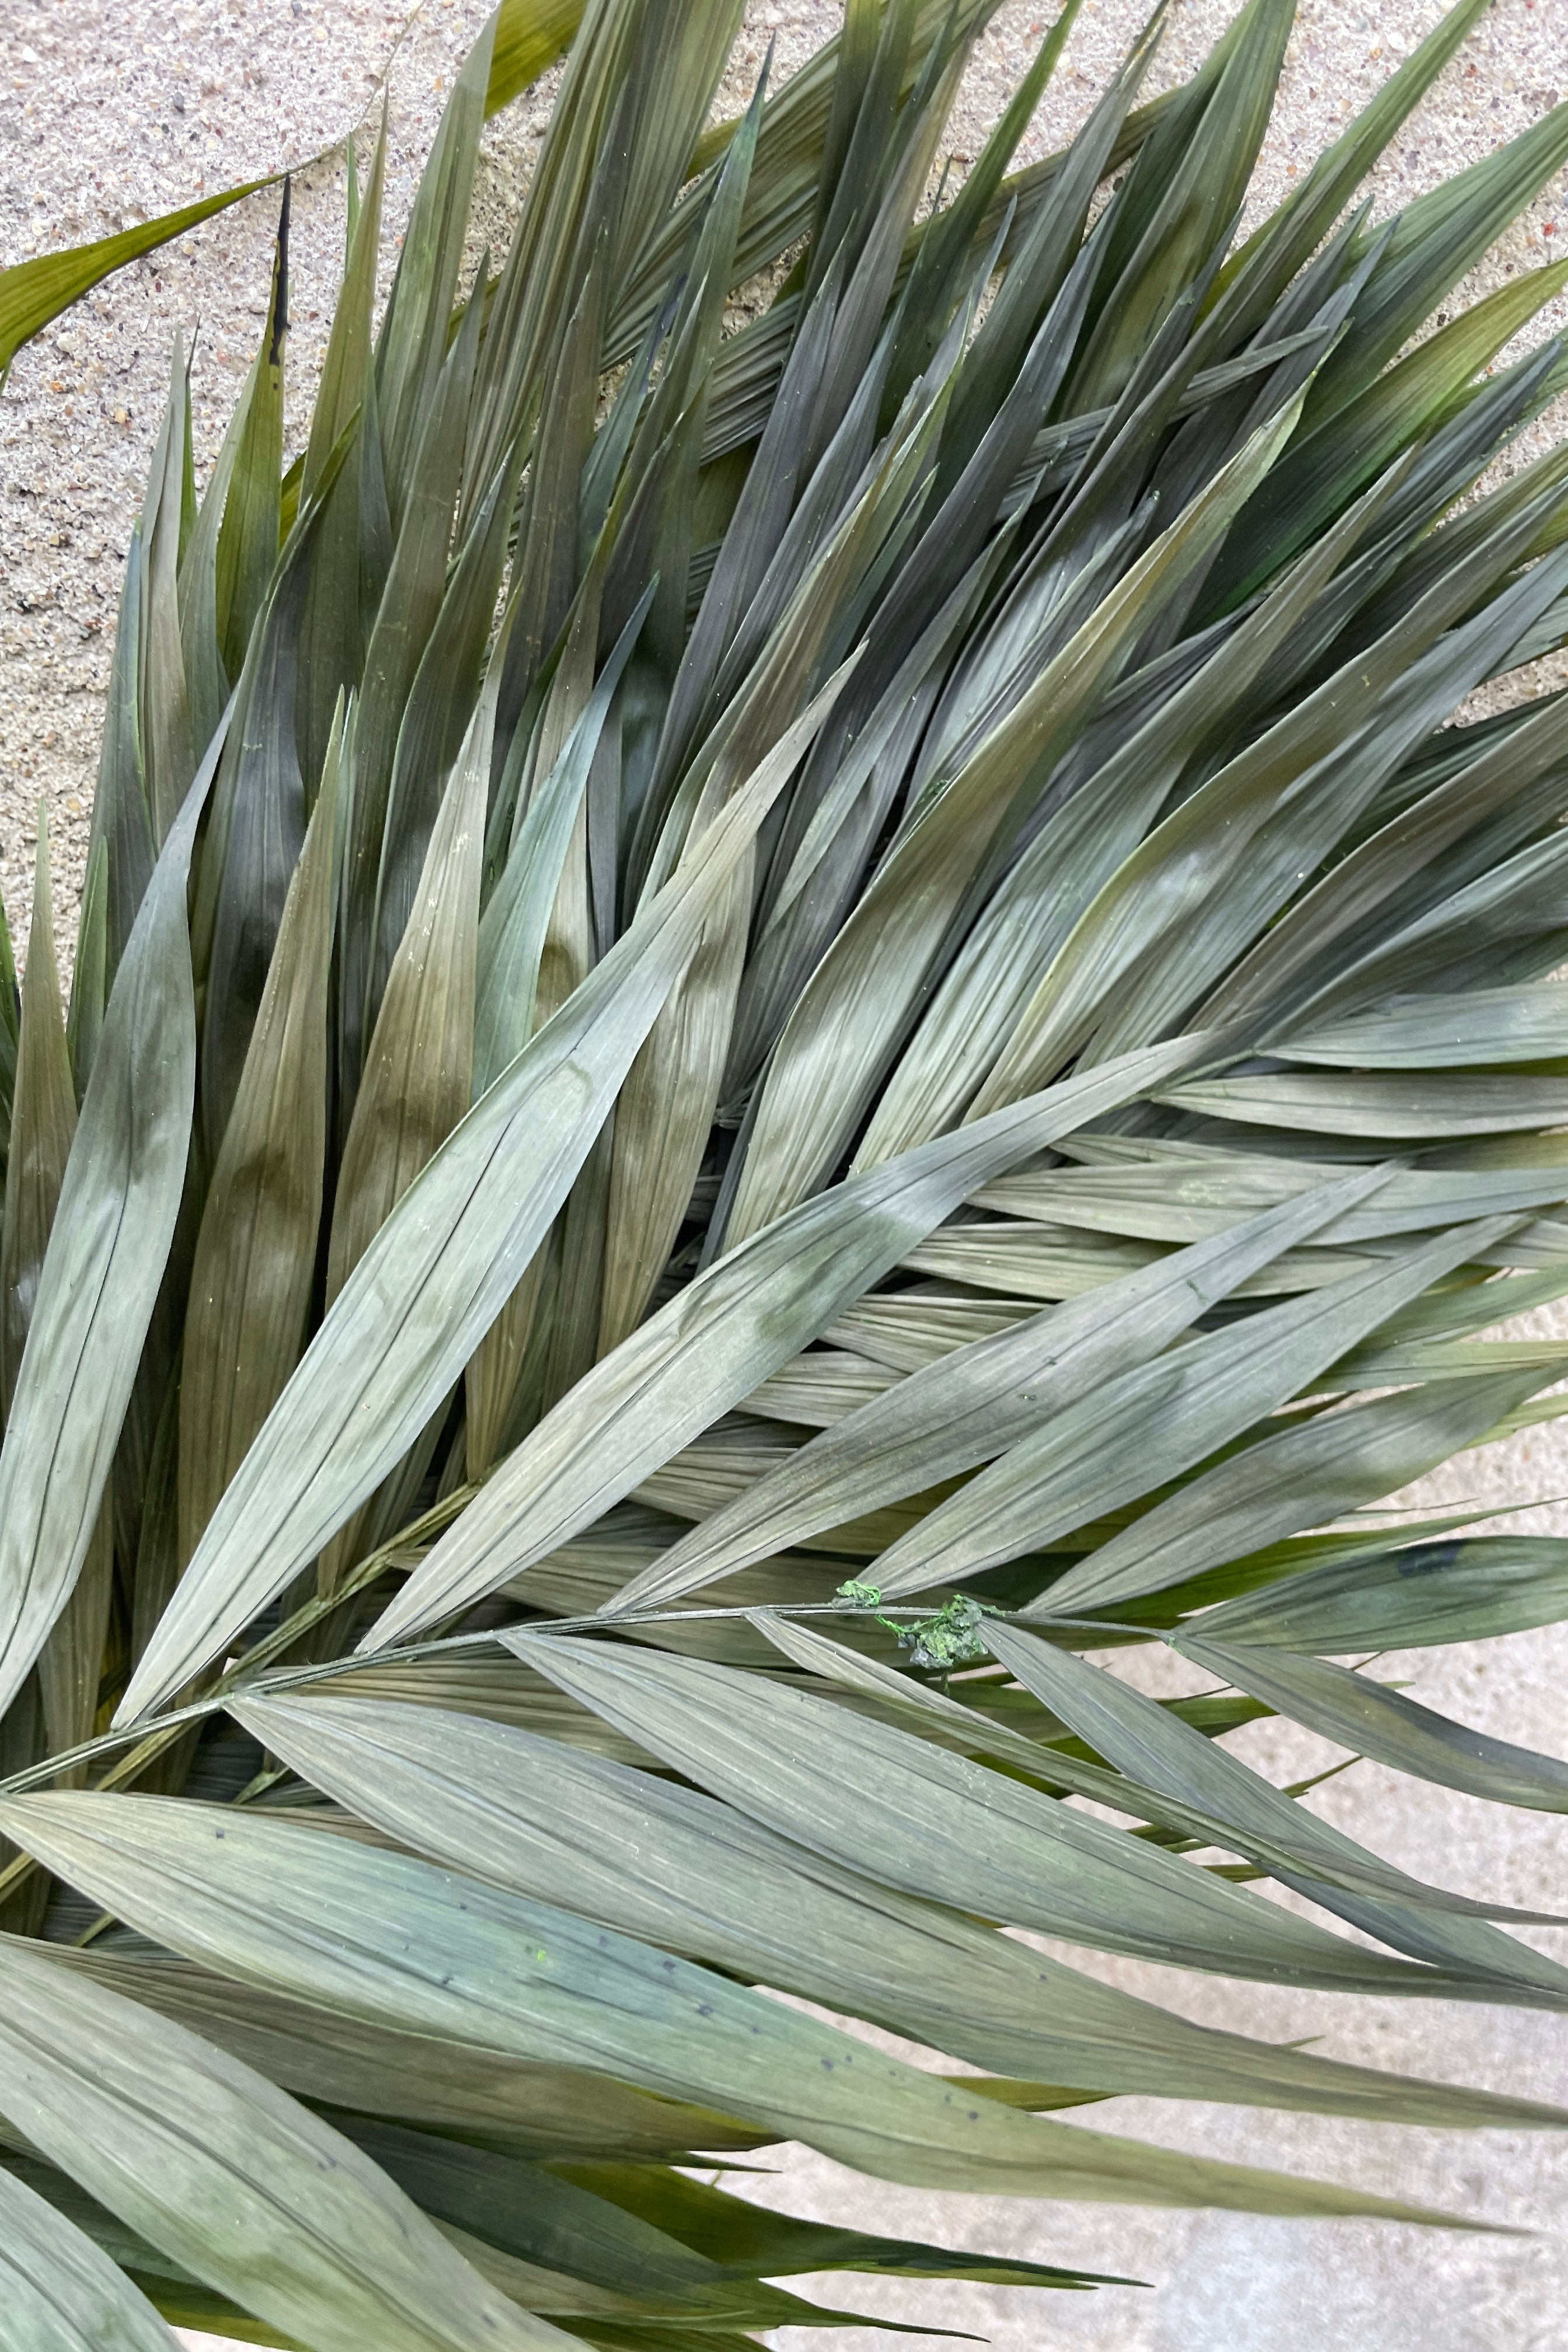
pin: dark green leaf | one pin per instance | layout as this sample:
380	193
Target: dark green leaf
33	292
1404	1599
256	1247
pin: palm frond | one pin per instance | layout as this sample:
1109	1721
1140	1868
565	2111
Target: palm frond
777	1034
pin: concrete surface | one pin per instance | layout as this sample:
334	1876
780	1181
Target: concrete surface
107	114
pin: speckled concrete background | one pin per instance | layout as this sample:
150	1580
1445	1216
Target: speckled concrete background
107	114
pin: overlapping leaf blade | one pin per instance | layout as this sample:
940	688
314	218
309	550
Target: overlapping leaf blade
658	1861
61	2293
985	1004
119	1196
364	1929
206	2159
450	1254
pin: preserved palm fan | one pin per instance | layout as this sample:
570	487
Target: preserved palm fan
780	1030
